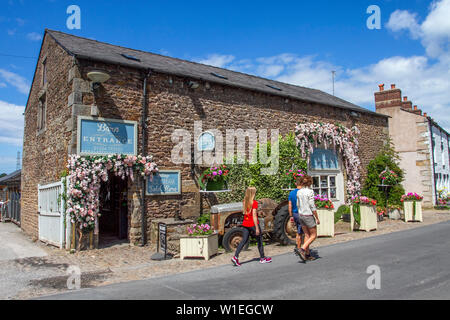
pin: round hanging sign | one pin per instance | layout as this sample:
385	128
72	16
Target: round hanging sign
206	142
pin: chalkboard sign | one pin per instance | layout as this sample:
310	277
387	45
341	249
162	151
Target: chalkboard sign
164	182
163	239
99	136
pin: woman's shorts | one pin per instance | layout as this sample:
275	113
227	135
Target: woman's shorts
307	220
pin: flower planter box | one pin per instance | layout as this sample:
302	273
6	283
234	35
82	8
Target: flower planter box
326	226
368	218
409	211
199	246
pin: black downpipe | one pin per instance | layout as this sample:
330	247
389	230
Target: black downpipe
144	153
430	124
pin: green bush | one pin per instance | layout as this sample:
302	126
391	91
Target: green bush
246	175
204	218
343	209
388	157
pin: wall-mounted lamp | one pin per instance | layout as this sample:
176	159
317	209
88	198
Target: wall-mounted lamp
97	77
193	85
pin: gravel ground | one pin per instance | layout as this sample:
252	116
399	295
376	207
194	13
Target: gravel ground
32	277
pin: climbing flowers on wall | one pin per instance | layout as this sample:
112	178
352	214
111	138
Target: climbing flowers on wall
336	136
85	176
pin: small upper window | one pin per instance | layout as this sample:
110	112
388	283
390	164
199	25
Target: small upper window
44	71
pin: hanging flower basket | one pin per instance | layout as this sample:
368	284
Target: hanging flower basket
388	177
214	178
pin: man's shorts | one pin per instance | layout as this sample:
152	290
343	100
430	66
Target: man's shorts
307	220
297	223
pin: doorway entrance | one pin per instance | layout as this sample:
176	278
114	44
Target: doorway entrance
113	221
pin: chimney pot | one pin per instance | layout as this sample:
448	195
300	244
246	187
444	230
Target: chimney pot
415	107
381	86
425	114
405	98
393	86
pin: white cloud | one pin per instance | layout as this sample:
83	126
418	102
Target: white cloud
2	85
424	79
404	20
34	36
17	81
217	60
11	123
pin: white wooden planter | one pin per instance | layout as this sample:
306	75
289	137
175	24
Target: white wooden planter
368	218
199	246
326	226
409	211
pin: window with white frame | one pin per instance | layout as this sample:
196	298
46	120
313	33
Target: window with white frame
324	168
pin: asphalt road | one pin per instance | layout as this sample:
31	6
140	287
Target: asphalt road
15	245
414	264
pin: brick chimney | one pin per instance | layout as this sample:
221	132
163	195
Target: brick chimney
417	111
406	104
388	98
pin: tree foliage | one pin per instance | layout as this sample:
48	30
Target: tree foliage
268	186
389	158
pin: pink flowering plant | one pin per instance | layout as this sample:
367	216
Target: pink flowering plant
214	174
411	197
84	179
388	177
291	175
322	202
336	136
199	229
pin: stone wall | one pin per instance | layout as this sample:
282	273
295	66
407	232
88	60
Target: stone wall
171	105
45	152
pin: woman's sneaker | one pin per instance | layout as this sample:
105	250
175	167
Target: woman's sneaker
265	260
235	262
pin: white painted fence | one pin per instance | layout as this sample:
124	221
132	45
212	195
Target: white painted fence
51	215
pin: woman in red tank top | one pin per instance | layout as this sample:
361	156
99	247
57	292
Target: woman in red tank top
250	227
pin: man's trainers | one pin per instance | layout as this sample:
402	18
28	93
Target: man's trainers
303	254
265	260
296	251
235	262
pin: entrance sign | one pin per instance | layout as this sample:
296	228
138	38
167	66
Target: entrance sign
99	136
164	182
206	142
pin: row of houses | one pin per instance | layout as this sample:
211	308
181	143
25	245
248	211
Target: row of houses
90	97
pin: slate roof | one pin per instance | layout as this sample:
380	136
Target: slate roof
10	177
83	48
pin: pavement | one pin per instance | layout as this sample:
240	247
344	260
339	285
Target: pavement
413	264
15	245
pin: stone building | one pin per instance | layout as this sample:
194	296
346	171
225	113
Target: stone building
423	145
165	94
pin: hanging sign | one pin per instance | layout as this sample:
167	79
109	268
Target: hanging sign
206	142
99	136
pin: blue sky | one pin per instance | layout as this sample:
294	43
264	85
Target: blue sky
293	41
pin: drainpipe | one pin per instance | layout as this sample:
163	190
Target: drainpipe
144	153
430	125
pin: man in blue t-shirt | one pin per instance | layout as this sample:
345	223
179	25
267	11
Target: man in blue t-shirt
293	213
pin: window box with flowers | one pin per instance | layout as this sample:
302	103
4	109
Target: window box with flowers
412	204
214	178
363	214
201	242
325	212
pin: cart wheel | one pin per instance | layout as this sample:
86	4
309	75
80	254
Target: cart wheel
283	230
